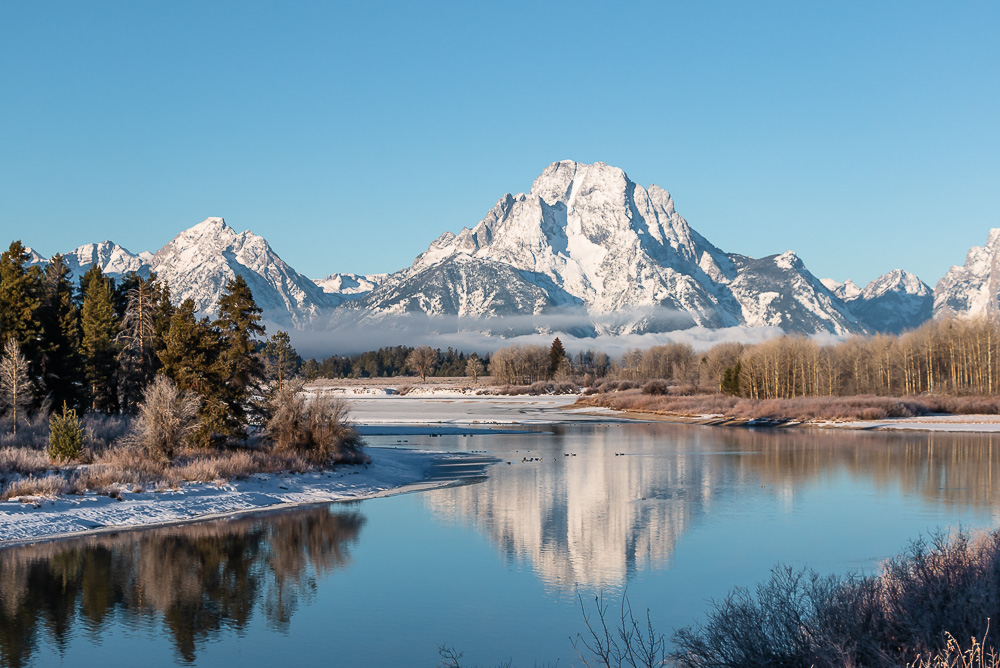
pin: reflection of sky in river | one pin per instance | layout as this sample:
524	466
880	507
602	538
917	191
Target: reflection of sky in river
494	568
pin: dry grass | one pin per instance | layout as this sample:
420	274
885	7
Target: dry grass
864	407
130	468
953	656
319	430
49	486
23	461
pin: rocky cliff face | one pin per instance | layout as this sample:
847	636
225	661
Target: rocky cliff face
974	288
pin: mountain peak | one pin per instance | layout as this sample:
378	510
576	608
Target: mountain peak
210	227
562	181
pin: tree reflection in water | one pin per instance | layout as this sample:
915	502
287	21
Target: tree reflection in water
198	579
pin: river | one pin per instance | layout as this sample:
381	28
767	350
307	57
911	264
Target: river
669	515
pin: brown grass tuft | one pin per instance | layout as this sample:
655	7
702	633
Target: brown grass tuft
50	486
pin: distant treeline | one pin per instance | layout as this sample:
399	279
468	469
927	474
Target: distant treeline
959	356
388	362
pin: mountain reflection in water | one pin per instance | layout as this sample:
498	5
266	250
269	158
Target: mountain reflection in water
196	579
595	518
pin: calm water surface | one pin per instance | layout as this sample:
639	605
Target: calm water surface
494	569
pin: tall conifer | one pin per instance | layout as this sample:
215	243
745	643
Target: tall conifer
20	286
240	365
59	345
99	328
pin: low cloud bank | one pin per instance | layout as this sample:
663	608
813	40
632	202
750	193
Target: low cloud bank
577	331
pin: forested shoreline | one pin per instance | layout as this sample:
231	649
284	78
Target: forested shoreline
113	376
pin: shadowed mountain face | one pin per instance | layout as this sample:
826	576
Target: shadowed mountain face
196	580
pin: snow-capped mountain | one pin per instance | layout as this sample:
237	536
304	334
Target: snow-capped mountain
587	237
586	250
113	259
349	286
847	290
974	288
199	262
894	302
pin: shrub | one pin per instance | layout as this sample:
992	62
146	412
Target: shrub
799	618
166	418
656	387
66	435
319	430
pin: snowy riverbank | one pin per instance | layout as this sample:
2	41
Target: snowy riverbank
392	471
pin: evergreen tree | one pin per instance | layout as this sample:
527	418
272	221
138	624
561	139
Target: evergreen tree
61	365
136	339
191	358
239	364
20	286
97	317
281	362
164	313
556	355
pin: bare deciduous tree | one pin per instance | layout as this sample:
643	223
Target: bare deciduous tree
15	384
422	360
474	367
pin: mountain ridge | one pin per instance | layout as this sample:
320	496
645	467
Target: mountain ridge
584	240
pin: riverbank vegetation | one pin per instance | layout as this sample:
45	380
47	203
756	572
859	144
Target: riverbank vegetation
109	386
908	613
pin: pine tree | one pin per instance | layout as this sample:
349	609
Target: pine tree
20	286
281	362
190	356
97	345
61	364
239	364
556	355
15	383
136	339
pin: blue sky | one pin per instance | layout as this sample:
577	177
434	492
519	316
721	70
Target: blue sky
864	136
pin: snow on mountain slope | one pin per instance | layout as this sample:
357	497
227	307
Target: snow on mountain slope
847	290
974	288
199	262
779	291
894	302
350	286
113	259
590	237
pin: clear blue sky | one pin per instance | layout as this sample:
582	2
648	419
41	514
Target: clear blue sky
864	136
